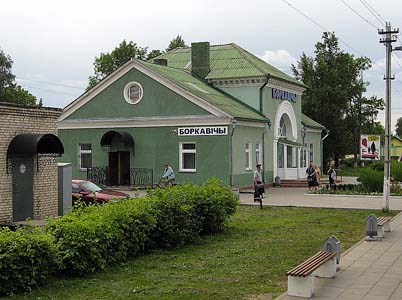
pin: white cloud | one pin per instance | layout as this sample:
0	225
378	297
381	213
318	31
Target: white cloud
280	59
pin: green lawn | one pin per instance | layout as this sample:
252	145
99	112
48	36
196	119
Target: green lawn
248	260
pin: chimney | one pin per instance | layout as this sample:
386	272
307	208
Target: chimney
200	65
161	62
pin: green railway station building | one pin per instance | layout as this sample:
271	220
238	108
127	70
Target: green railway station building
205	110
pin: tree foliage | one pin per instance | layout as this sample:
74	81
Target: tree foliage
154	53
9	90
335	92
398	127
106	63
176	43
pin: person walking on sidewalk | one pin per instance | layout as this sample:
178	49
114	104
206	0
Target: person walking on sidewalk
259	188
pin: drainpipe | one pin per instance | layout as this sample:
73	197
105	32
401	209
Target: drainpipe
261	92
263	150
261	111
322	150
234	121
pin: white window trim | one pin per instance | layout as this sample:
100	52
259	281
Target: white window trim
126	92
181	152
79	152
249	163
258	149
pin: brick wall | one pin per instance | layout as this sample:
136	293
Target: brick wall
15	120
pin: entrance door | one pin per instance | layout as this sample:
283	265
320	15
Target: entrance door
124	167
22	188
113	168
119	168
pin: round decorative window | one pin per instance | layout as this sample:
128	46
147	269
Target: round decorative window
133	92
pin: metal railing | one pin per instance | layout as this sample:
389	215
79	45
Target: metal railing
139	177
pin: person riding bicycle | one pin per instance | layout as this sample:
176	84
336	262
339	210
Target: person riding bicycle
168	175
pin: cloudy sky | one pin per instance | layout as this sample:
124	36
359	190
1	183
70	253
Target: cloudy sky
53	43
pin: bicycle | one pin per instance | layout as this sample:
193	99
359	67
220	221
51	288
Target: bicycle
163	183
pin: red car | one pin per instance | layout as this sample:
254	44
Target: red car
88	191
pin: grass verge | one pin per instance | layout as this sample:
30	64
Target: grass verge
248	260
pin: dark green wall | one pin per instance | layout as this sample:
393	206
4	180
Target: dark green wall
153	148
157	100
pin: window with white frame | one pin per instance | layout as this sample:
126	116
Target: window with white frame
248	156
303	158
84	156
187	161
258	153
282	128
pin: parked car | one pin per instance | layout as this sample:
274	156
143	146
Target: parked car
89	192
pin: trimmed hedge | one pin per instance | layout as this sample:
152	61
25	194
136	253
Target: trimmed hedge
92	237
27	257
188	210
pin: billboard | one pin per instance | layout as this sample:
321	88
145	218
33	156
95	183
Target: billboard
370	147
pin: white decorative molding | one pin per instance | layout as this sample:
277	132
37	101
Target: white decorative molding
237	82
286	86
134	64
286	108
258	81
142	122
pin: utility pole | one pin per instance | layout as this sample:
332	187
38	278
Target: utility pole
388	40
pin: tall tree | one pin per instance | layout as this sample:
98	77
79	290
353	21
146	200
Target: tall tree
9	90
106	63
176	43
333	78
6	76
398	127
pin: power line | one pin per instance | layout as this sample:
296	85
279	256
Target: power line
51	83
322	27
342	41
373	12
50	91
363	18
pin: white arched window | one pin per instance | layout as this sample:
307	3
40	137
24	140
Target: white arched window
282	128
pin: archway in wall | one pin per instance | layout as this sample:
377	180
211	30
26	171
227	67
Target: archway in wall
119	146
286	149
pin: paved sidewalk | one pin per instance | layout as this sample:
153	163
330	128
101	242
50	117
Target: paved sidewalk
369	271
298	197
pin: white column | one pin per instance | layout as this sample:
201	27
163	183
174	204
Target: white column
275	157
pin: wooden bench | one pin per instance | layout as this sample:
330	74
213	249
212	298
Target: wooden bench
301	278
384	225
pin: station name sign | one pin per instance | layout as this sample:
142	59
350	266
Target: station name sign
191	131
283	95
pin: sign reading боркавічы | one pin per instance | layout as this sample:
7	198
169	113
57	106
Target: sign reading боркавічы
283	95
187	131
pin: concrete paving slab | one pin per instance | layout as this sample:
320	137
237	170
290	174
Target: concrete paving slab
369	271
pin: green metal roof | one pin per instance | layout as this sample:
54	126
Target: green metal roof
228	104
308	122
228	61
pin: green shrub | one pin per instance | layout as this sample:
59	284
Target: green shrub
371	180
27	257
396	170
92	237
377	165
187	210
